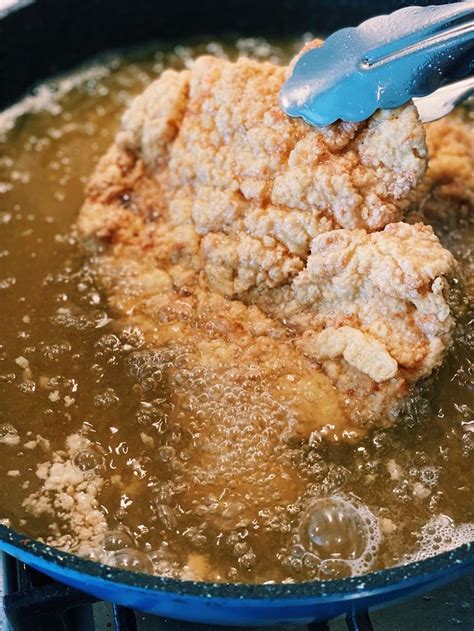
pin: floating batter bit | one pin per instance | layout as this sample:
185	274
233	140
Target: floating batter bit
383	63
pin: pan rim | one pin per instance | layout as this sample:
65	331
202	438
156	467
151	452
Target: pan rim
417	572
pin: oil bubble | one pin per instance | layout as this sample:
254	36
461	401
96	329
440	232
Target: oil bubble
247	560
115	540
334	528
133	561
333	568
89	460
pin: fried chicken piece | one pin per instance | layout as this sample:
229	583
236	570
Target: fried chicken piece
266	249
233	197
448	187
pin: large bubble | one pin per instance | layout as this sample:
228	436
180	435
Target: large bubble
115	540
336	529
133	561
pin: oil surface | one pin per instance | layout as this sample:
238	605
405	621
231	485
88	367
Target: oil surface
69	368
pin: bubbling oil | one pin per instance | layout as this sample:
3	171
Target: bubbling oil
103	439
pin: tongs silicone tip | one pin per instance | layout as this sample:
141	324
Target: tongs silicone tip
384	63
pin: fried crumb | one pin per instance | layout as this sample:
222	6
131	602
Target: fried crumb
69	495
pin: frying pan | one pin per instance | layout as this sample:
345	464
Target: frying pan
39	38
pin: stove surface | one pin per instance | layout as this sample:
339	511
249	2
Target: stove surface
34	602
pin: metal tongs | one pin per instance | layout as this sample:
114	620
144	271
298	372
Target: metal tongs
384	63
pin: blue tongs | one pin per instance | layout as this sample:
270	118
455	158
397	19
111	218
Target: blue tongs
388	60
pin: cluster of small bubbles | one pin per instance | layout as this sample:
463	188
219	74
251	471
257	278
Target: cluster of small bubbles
247	560
316	466
164	562
334	528
311	563
402	492
274	520
292	560
232	574
106	399
66	318
174	434
166	491
6	283
28	386
420	458
177	312
435	501
149	367
153	413
335	479
108	343
54	352
235	443
333	569
241	549
417	408
166	453
429	475
441	534
132	338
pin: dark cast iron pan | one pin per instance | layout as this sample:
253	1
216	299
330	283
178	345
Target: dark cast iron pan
39	38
